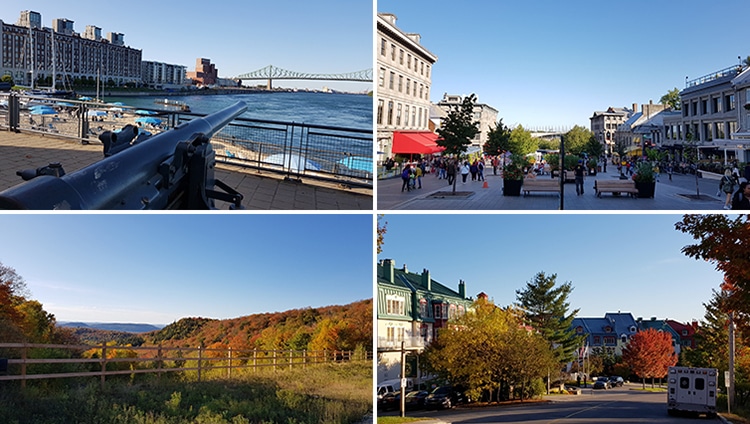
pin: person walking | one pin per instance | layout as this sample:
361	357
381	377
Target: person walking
480	170
579	171
405	174
450	169
473	168
465	171
726	185
419	177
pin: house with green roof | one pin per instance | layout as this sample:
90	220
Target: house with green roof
663	326
411	308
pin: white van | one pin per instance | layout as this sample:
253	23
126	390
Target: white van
391	386
692	390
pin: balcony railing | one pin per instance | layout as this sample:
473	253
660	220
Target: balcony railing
385	343
726	72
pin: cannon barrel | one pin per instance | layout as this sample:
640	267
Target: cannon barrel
130	179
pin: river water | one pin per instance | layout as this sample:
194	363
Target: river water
311	108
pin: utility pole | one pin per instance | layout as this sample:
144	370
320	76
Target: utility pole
730	386
403	380
562	172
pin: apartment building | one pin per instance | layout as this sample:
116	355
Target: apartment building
604	125
162	75
404	70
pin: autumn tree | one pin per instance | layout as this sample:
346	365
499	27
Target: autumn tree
546	309
649	354
724	242
381	234
491	352
458	129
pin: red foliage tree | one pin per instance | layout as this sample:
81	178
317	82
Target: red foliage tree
650	354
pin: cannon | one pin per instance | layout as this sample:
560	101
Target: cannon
171	170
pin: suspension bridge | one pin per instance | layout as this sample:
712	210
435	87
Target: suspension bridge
271	73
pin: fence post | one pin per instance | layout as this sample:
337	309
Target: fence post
24	356
159	364
274	360
304	359
104	361
255	356
200	357
229	370
290	359
325	355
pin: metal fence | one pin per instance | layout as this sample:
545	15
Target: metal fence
337	154
23	362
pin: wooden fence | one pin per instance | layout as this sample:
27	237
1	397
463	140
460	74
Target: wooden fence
23	361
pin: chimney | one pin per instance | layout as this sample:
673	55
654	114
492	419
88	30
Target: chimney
482	295
653	318
462	289
426	279
388	273
694	324
406	271
635	107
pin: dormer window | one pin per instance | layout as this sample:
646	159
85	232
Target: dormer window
633	329
579	330
607	329
684	332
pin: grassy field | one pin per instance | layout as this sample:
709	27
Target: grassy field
327	393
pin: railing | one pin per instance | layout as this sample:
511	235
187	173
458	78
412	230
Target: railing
342	155
726	72
103	361
409	342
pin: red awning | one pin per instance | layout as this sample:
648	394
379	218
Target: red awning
422	142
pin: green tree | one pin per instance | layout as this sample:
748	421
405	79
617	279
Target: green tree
593	147
521	141
577	139
672	98
7	78
498	139
458	129
546	308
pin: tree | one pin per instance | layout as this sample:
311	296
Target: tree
458	129
650	354
489	351
577	139
593	147
381	234
724	242
545	308
7	78
521	141
672	98
498	139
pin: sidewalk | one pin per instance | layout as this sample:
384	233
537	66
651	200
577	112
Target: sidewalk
670	195
261	191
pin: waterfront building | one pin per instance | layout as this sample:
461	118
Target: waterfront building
205	72
711	113
607	335
604	125
404	69
485	114
32	53
411	308
161	75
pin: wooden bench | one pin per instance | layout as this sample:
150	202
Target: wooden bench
615	187
567	175
540	184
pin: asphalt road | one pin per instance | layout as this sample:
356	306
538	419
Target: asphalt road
619	405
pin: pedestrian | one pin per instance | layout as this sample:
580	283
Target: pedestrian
741	199
495	164
480	170
474	169
669	170
419	177
656	171
579	380
405	174
579	171
726	185
465	169
450	169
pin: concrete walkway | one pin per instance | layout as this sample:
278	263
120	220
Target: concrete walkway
678	194
266	191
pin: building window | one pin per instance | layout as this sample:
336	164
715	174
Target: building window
438	311
609	340
390	334
707	132
393	52
729	102
452	312
423	308
715	105
401	56
380	111
391	80
400	83
408	86
395	305
406	116
408	61
381	77
414	115
390	113
597	340
719	130
398	115
383	46
579	330
704	107
421	68
421	90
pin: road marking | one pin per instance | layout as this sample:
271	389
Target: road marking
581	411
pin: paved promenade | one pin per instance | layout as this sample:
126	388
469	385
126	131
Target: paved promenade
678	194
266	191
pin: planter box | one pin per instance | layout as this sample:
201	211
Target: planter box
512	187
645	190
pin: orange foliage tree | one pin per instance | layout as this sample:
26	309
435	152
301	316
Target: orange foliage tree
650	354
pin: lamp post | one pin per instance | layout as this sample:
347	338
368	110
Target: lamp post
562	170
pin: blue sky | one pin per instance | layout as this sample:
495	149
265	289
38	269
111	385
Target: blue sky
551	62
629	263
159	268
323	36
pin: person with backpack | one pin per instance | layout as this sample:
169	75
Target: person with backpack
405	177
726	185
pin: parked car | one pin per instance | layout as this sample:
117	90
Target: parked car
616	381
602	383
444	397
415	399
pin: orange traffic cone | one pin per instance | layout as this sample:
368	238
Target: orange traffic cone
485	185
